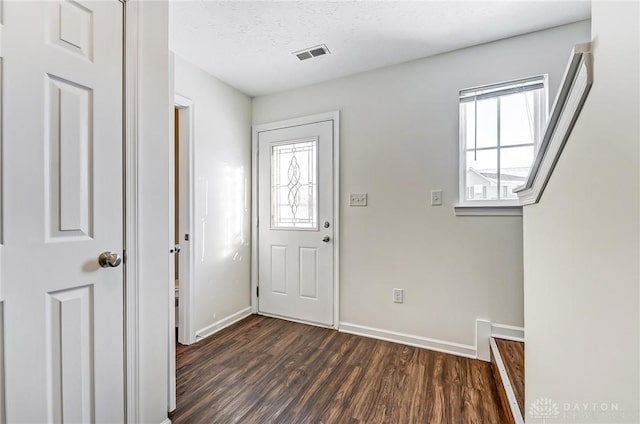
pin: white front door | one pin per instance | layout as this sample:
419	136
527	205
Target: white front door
296	222
62	207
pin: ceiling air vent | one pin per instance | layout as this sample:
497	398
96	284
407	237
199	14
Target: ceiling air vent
310	52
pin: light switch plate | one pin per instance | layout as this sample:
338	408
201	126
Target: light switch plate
358	199
398	296
436	197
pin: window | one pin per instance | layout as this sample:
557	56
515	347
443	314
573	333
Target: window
500	129
294	186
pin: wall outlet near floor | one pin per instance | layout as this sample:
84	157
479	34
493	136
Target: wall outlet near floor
398	296
358	199
436	197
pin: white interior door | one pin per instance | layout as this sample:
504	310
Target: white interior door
296	222
62	207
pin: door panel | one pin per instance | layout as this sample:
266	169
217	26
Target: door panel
309	272
62	194
68	160
295	201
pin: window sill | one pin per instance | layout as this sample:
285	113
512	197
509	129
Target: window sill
466	209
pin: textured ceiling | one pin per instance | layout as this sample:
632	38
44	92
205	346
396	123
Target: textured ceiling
248	44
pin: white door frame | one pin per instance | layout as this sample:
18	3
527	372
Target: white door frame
131	196
304	120
186	333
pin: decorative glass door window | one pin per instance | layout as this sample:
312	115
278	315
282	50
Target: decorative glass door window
294	185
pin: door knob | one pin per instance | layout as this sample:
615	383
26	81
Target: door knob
326	239
109	260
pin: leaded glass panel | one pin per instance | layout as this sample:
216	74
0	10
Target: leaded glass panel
294	185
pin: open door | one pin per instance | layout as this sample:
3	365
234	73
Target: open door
61	282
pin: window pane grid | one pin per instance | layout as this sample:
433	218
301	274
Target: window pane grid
499	137
501	147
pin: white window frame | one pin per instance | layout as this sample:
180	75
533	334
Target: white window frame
503	206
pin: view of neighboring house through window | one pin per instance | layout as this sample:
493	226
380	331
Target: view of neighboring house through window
500	128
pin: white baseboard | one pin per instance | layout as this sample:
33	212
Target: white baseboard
485	330
506	384
507	332
223	323
167	421
483	334
408	339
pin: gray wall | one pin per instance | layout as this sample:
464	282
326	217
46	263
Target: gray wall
399	140
222	141
582	248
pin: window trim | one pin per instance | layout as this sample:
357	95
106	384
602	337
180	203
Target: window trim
464	207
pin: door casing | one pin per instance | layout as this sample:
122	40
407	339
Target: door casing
147	140
304	120
186	333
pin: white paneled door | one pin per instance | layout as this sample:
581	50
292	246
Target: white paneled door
62	207
296	222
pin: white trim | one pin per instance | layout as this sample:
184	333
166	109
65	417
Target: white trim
486	330
487	210
483	334
171	275
223	323
299	321
186	333
507	332
336	218
304	120
541	106
3	399
575	87
254	220
131	217
506	384
463	350
167	421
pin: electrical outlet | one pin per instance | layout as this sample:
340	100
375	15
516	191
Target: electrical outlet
436	197
398	296
358	199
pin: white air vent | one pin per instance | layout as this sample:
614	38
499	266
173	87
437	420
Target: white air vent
310	52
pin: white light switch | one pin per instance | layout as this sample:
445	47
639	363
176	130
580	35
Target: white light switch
358	199
398	296
436	197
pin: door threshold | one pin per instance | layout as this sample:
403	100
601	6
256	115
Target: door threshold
299	321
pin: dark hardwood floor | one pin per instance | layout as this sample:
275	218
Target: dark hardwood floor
265	370
512	354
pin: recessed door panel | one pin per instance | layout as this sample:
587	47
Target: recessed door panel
72	28
69	151
309	272
279	269
71	382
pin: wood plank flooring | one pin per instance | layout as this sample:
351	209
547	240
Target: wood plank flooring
512	354
265	370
